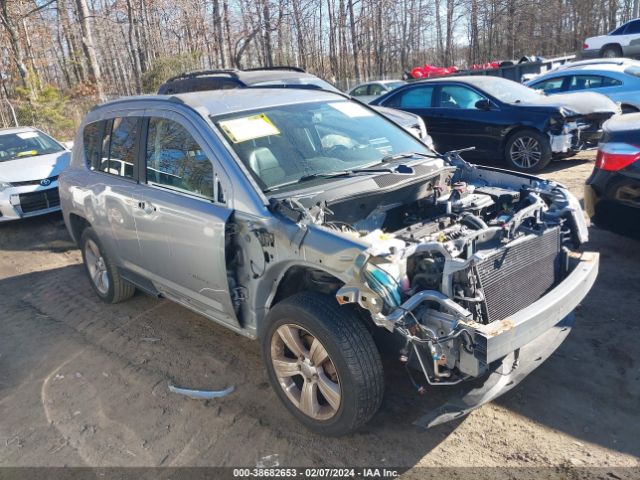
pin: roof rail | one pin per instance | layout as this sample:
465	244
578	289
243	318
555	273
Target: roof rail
230	72
277	67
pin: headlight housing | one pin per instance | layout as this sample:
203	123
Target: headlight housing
4	186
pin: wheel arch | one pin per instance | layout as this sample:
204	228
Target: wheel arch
77	225
610	45
288	280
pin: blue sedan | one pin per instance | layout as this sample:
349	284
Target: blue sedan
618	79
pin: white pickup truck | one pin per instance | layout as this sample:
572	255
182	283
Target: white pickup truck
624	41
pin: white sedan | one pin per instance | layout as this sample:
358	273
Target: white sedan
30	162
366	92
624	41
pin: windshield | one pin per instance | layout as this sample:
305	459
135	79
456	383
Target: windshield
26	144
284	144
507	91
300	81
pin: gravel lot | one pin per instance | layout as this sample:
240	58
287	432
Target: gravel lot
85	384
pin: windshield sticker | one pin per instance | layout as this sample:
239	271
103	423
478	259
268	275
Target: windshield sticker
249	128
351	109
25	135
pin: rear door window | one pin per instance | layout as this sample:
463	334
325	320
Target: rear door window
620	30
376	89
92	140
589	82
633	27
359	91
416	97
176	161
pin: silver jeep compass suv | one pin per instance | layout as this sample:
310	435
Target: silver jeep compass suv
310	222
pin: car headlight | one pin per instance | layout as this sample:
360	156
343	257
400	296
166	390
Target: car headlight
4	186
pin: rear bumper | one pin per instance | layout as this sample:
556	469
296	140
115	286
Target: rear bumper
615	189
593	53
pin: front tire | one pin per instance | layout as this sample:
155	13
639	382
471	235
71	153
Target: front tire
322	363
103	273
527	151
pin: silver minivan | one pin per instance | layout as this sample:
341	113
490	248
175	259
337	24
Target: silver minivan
310	222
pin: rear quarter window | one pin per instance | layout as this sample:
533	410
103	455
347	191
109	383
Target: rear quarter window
92	140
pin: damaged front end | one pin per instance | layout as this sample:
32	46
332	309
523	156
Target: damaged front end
578	124
471	274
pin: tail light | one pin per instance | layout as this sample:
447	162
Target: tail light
585	46
616	156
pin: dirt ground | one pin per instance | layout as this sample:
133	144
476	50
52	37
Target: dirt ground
85	384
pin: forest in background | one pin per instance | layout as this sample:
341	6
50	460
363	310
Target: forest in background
59	57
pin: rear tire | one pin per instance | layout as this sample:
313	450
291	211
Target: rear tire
345	382
527	151
611	51
103	273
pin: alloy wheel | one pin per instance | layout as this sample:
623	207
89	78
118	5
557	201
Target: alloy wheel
305	372
525	152
97	267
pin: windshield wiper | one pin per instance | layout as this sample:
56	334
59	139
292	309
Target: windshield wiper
339	173
397	156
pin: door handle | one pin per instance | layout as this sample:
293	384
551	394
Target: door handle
146	207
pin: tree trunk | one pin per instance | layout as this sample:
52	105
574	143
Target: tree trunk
354	42
88	46
7	20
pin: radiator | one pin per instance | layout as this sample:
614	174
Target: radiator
515	277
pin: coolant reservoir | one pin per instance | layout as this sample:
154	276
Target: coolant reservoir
383	244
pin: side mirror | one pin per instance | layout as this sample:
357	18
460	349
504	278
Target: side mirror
483	104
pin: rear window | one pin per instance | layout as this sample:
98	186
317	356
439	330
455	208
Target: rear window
92	138
416	97
634	71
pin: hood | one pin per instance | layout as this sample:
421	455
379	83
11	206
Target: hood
402	118
34	168
581	103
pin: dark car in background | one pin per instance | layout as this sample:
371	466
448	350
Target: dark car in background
612	192
501	117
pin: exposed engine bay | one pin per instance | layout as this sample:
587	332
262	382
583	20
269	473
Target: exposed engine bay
451	247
